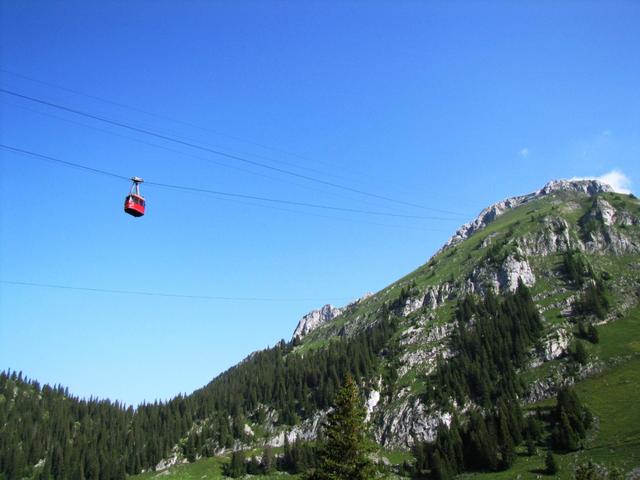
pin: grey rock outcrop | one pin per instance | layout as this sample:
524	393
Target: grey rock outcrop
553	238
307	431
426	359
502	279
544	388
315	318
430	348
556	344
605	212
175	458
436	296
408	421
610	240
626	219
589	187
512	271
433	297
605	236
372	402
412	304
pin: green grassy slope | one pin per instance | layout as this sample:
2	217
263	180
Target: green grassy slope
205	469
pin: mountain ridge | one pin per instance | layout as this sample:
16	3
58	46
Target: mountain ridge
310	322
490	213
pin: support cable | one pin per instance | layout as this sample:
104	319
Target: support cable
217	152
220	192
164	294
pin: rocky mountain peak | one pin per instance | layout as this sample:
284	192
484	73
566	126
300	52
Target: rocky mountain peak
589	187
315	318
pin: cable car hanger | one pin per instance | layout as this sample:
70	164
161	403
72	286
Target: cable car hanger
134	203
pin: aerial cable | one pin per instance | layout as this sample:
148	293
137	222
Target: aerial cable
298	212
64	162
182	122
138	140
333	217
290	202
217	152
162	147
214	151
145	112
164	294
163	117
219	192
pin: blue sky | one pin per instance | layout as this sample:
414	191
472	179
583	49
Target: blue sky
450	105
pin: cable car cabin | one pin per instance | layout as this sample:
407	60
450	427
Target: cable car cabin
134	205
134	202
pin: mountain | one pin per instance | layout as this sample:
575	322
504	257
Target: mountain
525	238
539	292
510	273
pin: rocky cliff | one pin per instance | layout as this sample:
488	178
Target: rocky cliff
314	319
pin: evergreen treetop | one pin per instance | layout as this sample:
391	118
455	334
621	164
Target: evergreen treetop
344	455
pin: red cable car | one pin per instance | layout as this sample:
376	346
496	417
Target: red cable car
134	202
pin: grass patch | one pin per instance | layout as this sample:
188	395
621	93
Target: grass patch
204	469
612	398
208	468
618	338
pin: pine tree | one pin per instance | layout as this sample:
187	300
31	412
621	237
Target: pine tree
531	446
236	468
551	466
535	426
267	460
287	456
344	453
592	334
439	470
571	421
564	437
579	353
254	466
505	441
57	463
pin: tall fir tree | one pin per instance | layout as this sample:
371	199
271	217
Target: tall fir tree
344	455
236	467
550	463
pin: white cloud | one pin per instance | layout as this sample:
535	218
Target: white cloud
617	179
524	152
